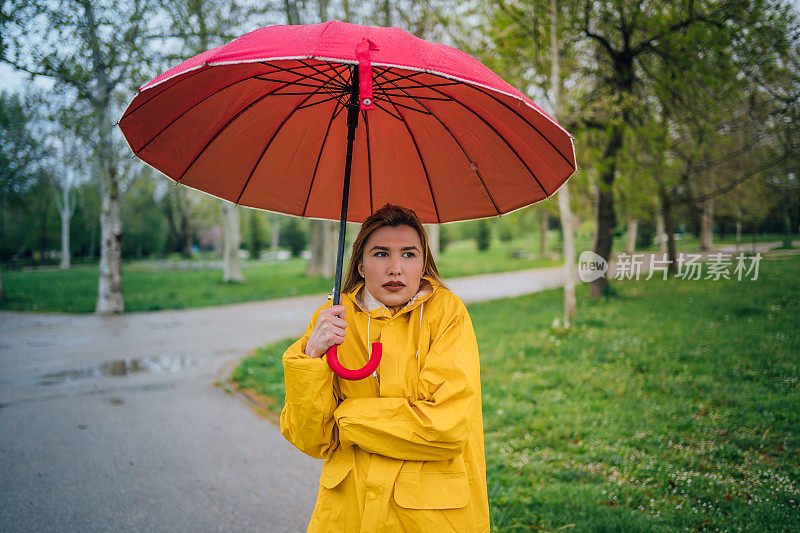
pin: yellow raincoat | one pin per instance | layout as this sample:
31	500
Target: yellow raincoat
402	449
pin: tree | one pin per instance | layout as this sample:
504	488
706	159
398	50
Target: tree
19	156
90	52
256	237
484	237
199	26
294	236
621	39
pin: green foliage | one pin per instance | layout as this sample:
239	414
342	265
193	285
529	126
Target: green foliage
484	236
445	237
505	232
256	236
144	230
294	236
645	233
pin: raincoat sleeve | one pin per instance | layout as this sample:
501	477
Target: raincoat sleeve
435	426
307	416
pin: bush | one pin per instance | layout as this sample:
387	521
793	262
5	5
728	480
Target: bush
505	232
444	237
256	238
483	237
645	233
294	237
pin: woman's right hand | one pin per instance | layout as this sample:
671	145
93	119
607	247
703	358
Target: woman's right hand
328	331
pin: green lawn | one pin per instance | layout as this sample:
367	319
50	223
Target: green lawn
153	285
670	406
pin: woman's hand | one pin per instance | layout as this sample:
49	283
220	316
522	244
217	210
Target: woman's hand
328	331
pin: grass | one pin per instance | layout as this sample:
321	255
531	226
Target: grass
158	285
670	406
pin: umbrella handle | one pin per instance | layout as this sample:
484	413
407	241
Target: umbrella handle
361	373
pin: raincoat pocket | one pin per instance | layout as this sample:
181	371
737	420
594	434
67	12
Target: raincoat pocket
431	490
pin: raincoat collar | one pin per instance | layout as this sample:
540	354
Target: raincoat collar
374	308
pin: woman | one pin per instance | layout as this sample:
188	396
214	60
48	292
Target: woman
403	448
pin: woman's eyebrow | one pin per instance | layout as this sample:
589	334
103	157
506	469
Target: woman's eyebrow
401	249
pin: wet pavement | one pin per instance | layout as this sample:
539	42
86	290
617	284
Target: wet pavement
114	423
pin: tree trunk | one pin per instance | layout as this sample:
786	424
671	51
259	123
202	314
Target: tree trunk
595	197
66	215
109	291
433	239
606	219
387	13
662	243
314	267
738	230
567	227
92	241
322	248
276	239
570	308
330	247
666	208
630	243
543	242
707	225
231	267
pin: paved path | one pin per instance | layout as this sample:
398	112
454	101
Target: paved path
112	423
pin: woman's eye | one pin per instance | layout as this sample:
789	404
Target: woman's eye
410	254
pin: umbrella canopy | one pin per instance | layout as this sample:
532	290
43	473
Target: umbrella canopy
261	122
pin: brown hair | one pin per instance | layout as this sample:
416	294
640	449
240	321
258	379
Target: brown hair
388	215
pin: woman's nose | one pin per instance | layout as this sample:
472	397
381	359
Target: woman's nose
394	267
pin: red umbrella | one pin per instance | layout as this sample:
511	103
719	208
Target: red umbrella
260	122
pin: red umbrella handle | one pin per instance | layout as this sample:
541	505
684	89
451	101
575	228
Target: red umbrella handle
361	373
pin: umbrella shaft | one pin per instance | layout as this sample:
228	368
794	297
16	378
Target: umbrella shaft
352	124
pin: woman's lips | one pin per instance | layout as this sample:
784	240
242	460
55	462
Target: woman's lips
394	288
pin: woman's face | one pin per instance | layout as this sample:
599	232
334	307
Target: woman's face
392	255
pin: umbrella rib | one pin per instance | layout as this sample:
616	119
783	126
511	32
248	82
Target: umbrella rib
403	77
420	85
386	110
132	111
294	82
197	104
464	151
479	89
465	106
319	155
269	143
345	83
396	104
194	73
395	95
421	160
334	97
369	159
228	123
330	78
304	76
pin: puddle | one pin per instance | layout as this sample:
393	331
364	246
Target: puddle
123	367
